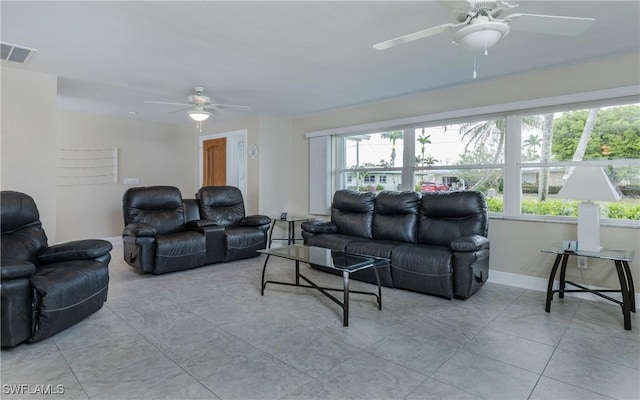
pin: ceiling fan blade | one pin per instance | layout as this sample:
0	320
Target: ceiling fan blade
217	106
164	102
414	36
181	110
550	24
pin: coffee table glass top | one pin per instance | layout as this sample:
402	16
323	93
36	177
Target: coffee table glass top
337	260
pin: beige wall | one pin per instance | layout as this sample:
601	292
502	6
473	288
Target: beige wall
28	133
515	245
155	154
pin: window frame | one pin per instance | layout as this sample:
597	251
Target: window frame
513	163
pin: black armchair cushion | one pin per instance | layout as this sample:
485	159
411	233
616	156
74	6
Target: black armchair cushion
222	204
352	212
75	250
22	234
14	269
159	206
446	216
396	216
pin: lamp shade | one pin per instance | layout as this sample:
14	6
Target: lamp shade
199	116
589	183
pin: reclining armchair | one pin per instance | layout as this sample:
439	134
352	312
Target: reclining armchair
156	238
45	289
231	235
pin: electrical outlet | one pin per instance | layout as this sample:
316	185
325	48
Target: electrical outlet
582	263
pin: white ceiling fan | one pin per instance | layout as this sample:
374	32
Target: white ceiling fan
480	28
199	106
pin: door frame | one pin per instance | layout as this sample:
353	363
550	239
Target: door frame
234	166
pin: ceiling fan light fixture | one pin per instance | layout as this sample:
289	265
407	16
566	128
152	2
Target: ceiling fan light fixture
199	115
481	36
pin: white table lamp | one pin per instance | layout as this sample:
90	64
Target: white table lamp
590	184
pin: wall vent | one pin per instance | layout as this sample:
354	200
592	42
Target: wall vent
15	53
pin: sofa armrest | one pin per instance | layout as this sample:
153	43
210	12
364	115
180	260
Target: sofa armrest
470	243
10	268
139	229
76	250
318	226
255	220
200	224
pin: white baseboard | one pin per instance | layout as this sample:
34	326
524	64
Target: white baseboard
540	284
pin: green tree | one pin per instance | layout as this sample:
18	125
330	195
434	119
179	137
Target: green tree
478	135
615	134
392	136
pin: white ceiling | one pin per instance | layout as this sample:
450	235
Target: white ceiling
282	58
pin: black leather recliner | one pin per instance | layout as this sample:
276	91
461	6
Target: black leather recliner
45	289
237	236
164	232
156	238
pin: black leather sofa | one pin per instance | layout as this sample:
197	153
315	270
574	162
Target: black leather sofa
437	243
165	233
45	289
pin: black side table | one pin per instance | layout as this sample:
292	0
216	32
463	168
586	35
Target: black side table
291	231
621	259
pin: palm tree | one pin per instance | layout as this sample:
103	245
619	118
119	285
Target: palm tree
423	140
482	131
392	136
531	144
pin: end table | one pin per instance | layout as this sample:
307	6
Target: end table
621	260
291	231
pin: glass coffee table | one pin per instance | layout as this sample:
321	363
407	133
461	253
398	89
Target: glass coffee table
337	260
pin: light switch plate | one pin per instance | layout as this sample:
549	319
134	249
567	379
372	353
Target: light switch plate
131	181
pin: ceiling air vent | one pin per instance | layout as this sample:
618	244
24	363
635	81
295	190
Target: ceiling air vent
15	53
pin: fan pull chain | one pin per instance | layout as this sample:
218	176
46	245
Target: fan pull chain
486	40
474	67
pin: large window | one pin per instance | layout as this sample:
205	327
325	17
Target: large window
518	159
556	142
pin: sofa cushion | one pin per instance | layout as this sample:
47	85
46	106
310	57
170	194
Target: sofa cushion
425	269
446	216
396	216
178	251
375	248
159	206
222	204
352	212
243	242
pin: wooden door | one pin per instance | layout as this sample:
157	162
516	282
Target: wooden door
214	155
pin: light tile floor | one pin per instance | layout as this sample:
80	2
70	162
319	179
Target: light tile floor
208	334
